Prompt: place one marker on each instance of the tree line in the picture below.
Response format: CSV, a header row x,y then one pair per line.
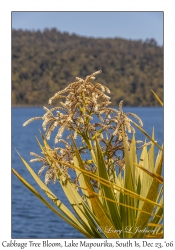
x,y
45,62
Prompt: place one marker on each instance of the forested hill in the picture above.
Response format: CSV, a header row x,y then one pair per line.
x,y
46,62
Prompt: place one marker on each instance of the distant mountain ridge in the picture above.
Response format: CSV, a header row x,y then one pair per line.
x,y
46,62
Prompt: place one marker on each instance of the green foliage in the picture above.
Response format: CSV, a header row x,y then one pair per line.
x,y
45,62
118,205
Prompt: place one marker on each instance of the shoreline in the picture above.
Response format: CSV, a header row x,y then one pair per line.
x,y
31,106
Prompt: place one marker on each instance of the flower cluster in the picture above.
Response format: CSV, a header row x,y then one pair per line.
x,y
85,111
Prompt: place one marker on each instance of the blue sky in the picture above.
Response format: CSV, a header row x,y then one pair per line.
x,y
128,25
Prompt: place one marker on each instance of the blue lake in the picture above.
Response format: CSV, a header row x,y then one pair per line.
x,y
30,217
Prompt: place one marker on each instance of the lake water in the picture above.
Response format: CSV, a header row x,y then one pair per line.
x,y
30,217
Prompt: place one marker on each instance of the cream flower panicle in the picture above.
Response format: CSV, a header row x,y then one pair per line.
x,y
83,100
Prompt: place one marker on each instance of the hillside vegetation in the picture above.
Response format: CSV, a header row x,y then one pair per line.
x,y
46,62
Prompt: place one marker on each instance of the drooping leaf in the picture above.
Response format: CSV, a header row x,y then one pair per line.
x,y
67,218
144,132
158,99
